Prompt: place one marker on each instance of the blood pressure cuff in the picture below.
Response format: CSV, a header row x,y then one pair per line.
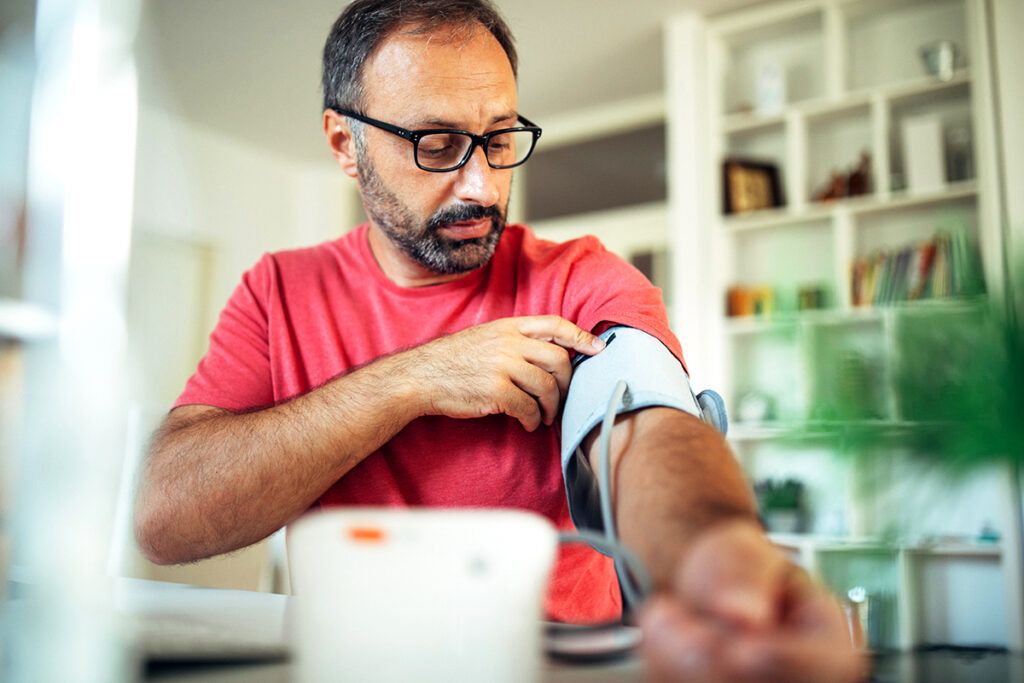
x,y
654,377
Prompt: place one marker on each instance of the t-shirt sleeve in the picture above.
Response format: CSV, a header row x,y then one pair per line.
x,y
603,291
235,372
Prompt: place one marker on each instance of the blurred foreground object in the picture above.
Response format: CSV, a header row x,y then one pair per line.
x,y
78,194
960,384
470,611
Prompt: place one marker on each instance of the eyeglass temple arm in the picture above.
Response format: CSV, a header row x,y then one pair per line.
x,y
383,125
527,121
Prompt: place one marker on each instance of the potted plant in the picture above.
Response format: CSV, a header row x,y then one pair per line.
x,y
782,504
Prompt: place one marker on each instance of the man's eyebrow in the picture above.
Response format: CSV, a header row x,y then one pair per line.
x,y
448,123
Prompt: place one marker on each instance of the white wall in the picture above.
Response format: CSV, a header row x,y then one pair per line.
x,y
200,186
206,208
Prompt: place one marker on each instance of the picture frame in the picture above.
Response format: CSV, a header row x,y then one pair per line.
x,y
750,185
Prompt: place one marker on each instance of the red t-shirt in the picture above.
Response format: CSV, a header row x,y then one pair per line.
x,y
302,317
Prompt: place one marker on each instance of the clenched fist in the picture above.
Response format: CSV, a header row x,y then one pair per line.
x,y
740,611
516,366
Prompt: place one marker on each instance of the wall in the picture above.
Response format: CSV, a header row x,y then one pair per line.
x,y
206,208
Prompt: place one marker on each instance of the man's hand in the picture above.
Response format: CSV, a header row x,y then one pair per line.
x,y
516,366
739,610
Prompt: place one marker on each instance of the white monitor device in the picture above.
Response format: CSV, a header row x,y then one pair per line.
x,y
404,595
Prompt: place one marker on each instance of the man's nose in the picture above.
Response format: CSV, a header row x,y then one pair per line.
x,y
477,182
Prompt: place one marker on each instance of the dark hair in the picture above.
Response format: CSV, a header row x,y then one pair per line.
x,y
364,24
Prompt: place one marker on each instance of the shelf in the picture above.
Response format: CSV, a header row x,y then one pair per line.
x,y
745,122
753,324
759,325
867,204
847,316
950,305
992,550
774,218
767,431
764,431
827,107
582,125
821,543
824,543
965,189
814,429
924,88
22,321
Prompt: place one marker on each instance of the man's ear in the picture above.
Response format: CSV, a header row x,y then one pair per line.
x,y
340,140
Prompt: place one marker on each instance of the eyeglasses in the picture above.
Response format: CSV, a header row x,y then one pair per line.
x,y
439,150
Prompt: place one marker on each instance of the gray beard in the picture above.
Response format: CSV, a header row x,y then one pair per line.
x,y
425,245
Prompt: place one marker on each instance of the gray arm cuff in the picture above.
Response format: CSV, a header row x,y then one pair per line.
x,y
654,377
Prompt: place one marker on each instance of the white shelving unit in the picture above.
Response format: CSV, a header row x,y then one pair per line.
x,y
914,568
853,74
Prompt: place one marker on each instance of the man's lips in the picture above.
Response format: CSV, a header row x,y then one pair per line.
x,y
467,230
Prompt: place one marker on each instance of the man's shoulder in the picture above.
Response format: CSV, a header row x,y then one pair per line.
x,y
326,253
540,249
584,258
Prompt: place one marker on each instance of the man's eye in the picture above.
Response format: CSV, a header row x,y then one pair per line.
x,y
436,150
440,147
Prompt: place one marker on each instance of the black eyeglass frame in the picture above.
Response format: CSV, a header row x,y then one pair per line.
x,y
414,136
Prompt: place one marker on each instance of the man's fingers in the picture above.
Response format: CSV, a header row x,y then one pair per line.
x,y
559,331
799,590
753,614
515,403
541,385
550,358
800,657
678,646
732,573
478,371
812,645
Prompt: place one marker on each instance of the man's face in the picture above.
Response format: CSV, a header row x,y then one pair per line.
x,y
445,222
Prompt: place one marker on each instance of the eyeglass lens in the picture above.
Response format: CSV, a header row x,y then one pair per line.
x,y
443,151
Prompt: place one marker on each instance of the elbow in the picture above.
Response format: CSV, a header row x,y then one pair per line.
x,y
147,536
151,531
161,514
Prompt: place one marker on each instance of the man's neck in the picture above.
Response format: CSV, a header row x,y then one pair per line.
x,y
398,267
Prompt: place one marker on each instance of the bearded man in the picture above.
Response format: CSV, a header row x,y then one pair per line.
x,y
422,359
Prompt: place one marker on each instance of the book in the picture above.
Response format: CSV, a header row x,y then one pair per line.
x,y
945,266
924,269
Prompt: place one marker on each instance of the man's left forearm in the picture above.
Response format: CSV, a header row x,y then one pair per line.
x,y
673,476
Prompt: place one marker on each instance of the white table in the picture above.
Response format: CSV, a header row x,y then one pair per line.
x,y
263,617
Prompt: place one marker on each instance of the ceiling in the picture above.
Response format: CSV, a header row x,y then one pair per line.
x,y
250,68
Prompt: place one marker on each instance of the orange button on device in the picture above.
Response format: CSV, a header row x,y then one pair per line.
x,y
366,534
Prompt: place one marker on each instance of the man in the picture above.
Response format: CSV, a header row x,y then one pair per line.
x,y
422,359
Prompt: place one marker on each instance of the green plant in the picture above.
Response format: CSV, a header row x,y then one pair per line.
x,y
773,495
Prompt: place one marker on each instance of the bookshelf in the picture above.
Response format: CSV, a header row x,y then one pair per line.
x,y
853,79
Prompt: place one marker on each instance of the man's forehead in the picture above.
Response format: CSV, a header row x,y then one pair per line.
x,y
441,77
443,119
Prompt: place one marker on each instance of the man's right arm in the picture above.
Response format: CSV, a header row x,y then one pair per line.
x,y
216,481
